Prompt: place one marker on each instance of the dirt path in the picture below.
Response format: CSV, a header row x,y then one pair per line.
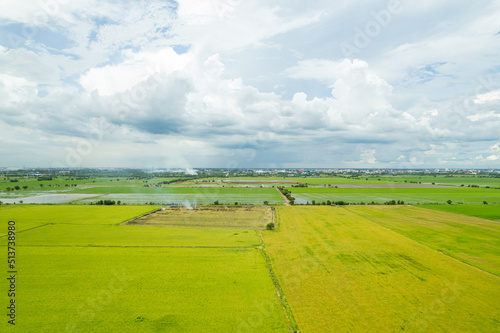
x,y
287,202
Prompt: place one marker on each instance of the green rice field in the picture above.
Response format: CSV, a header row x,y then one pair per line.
x,y
89,268
469,239
84,272
61,183
491,212
341,272
408,195
182,195
380,179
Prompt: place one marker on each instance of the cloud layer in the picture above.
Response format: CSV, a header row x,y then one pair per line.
x,y
227,83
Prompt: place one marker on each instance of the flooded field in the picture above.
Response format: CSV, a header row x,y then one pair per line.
x,y
47,198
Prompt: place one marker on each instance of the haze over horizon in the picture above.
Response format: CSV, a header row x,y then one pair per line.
x,y
240,84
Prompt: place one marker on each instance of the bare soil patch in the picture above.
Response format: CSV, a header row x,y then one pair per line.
x,y
213,217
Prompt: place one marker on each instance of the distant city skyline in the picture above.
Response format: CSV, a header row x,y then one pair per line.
x,y
260,84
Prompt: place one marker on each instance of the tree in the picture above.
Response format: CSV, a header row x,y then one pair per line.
x,y
266,202
25,187
485,203
449,202
236,203
216,202
270,226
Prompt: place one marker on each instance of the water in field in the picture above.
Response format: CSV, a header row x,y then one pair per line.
x,y
301,201
192,198
51,198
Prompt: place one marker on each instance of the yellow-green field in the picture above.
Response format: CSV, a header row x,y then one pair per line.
x,y
84,271
341,272
336,269
469,239
94,215
491,212
246,217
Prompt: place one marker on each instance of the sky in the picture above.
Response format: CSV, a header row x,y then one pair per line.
x,y
250,84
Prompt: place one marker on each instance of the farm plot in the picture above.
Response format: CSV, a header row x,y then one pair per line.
x,y
144,290
307,180
71,214
186,195
408,195
343,273
136,236
246,217
62,183
469,239
85,273
491,212
52,198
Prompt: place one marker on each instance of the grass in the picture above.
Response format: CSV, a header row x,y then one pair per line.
x,y
491,212
86,273
342,272
469,239
209,217
408,195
